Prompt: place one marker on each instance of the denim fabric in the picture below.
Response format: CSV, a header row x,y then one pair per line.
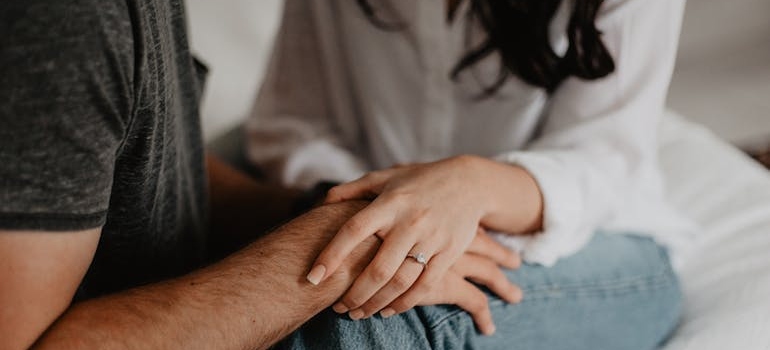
x,y
617,293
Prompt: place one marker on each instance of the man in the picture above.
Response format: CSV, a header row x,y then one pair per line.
x,y
103,201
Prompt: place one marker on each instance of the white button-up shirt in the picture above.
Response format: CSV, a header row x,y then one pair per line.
x,y
343,97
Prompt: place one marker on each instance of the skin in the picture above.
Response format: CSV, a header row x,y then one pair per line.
x,y
251,299
430,208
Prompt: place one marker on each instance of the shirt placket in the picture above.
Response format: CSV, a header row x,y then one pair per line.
x,y
436,125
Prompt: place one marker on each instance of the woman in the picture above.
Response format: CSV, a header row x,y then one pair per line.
x,y
535,119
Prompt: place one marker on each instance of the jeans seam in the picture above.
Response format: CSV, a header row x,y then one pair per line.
x,y
617,289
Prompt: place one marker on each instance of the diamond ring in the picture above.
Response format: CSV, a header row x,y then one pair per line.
x,y
420,258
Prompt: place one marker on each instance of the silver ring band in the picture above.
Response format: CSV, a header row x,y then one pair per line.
x,y
420,258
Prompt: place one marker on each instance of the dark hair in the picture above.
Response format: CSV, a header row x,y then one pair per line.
x,y
519,31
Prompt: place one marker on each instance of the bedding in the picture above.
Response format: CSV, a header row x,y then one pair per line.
x,y
726,275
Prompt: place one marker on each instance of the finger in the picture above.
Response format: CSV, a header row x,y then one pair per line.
x,y
469,298
365,223
484,245
366,187
406,275
433,272
376,275
485,272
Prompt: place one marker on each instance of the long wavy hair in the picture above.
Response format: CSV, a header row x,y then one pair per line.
x,y
519,31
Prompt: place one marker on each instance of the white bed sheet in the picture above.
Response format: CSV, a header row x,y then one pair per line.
x,y
726,277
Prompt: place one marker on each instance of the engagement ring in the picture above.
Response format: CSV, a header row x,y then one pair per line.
x,y
420,258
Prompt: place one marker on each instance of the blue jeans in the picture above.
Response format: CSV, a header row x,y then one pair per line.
x,y
617,293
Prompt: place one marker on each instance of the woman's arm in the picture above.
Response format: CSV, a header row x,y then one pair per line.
x,y
599,140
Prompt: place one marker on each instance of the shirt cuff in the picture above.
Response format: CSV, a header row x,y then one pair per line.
x,y
564,229
320,161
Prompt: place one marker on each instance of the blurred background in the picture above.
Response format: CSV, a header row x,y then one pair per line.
x,y
722,78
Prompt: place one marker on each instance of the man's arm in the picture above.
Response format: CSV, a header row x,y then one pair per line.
x,y
249,300
40,272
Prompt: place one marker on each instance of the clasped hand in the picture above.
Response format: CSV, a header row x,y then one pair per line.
x,y
434,209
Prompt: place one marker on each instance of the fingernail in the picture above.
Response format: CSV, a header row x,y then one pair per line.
x,y
387,312
340,308
316,274
356,314
491,330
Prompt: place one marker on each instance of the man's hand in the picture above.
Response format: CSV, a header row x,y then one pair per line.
x,y
481,264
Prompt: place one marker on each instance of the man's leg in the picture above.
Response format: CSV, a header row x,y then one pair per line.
x,y
617,293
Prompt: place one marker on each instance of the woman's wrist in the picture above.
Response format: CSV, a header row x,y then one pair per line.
x,y
483,176
510,198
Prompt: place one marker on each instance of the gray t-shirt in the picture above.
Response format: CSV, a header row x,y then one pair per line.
x,y
99,126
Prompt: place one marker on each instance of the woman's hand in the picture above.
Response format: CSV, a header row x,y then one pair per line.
x,y
455,289
432,208
480,264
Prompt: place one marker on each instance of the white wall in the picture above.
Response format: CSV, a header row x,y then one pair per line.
x,y
234,38
722,77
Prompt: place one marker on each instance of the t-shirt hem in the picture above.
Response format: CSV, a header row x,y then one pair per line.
x,y
52,221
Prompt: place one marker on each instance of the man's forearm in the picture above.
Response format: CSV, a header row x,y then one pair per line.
x,y
249,300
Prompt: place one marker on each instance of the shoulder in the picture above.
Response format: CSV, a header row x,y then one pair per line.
x,y
65,29
78,51
39,19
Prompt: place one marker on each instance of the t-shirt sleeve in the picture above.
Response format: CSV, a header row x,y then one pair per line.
x,y
65,91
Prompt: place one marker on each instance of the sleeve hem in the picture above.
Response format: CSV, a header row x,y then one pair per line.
x,y
563,233
561,196
52,221
320,161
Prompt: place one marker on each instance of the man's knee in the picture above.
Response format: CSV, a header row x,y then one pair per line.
x,y
329,330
